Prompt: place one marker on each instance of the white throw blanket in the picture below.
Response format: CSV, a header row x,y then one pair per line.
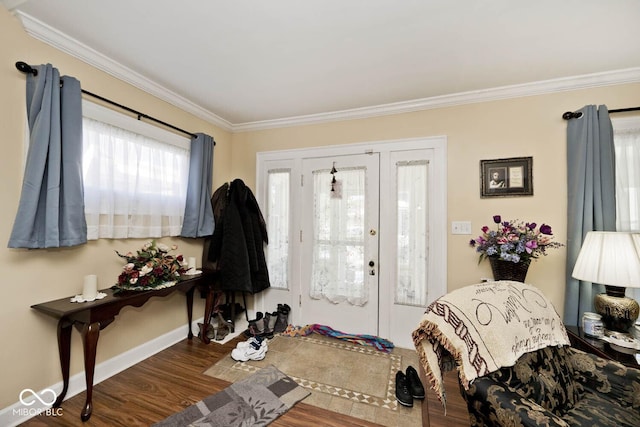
x,y
482,328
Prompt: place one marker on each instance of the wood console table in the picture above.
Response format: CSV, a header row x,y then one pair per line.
x,y
90,317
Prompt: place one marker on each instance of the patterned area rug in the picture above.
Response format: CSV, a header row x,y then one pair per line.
x,y
254,401
343,377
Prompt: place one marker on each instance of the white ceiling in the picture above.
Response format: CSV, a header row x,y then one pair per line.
x,y
241,63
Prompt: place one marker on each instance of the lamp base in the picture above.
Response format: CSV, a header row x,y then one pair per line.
x,y
618,312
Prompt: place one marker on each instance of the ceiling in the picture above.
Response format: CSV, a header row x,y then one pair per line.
x,y
242,63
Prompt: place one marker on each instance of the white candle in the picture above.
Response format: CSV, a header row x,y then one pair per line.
x,y
192,264
90,288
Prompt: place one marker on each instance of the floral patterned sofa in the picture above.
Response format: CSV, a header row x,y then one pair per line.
x,y
556,386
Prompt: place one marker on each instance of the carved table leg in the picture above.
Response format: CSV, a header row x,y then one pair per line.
x,y
64,350
90,335
190,310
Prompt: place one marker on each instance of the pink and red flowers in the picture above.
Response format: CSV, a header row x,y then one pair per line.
x,y
514,241
151,267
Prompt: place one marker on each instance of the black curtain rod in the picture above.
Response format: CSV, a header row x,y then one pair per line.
x,y
26,68
571,115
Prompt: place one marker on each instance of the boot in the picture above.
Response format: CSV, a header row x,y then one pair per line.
x,y
282,320
223,329
210,331
256,326
269,324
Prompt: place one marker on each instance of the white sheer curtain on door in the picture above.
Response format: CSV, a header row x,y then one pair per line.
x,y
412,238
339,232
278,217
135,186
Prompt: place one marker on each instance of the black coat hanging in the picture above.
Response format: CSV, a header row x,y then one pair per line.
x,y
236,248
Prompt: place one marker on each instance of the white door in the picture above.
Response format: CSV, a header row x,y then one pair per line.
x,y
339,243
398,222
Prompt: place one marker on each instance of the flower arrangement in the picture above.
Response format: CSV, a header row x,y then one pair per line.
x,y
152,267
514,241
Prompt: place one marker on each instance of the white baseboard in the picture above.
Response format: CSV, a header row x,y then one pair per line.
x,y
18,412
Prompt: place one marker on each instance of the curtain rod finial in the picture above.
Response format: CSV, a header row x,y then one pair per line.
x,y
571,115
26,68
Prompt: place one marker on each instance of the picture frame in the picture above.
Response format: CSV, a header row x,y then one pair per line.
x,y
510,177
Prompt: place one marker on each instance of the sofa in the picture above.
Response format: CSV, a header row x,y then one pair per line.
x,y
556,386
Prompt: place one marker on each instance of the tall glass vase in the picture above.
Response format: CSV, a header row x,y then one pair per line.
x,y
507,270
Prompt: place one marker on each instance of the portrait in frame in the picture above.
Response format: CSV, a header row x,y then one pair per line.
x,y
506,177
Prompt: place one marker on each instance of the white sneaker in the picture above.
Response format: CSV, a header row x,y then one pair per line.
x,y
252,352
253,341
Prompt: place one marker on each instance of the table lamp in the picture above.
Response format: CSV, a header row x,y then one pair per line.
x,y
612,259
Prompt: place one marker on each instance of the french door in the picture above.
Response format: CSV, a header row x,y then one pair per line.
x,y
339,241
357,234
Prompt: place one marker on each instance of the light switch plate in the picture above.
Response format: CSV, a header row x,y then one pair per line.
x,y
460,227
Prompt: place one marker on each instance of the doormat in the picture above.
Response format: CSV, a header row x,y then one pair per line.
x,y
343,377
255,401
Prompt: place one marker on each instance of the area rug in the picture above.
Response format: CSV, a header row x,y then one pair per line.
x,y
254,401
342,377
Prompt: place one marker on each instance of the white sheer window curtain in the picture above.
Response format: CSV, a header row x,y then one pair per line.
x,y
278,217
339,227
412,239
626,138
135,185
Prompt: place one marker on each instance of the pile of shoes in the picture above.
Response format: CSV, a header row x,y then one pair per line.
x,y
255,348
408,387
217,329
267,324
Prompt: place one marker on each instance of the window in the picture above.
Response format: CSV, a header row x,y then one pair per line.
x,y
278,225
626,138
412,223
135,176
339,247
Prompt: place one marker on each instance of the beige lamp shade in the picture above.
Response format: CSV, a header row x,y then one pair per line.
x,y
609,258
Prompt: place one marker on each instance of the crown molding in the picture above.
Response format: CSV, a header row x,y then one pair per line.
x,y
12,4
62,42
609,78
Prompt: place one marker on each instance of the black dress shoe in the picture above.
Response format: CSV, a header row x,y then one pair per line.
x,y
403,395
415,385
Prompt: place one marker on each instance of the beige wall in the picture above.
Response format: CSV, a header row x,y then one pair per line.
x,y
530,126
29,350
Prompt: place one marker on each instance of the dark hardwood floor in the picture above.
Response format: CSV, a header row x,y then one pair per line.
x,y
457,414
172,379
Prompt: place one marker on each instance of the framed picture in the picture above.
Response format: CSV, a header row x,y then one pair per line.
x,y
506,177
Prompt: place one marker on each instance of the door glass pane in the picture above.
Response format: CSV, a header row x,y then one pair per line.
x,y
412,238
278,227
338,266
